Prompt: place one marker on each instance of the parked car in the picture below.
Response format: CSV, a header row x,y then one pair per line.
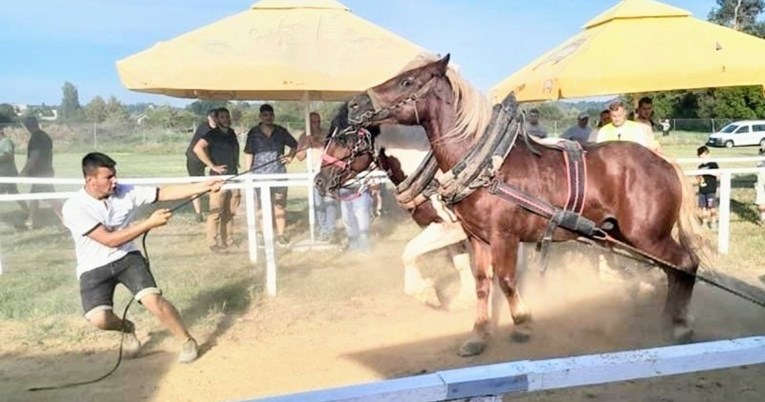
x,y
740,133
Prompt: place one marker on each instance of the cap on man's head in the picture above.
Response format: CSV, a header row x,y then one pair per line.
x,y
583,116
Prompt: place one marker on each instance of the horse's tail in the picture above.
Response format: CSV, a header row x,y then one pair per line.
x,y
688,229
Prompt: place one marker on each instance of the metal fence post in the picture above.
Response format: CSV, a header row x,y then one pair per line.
x,y
723,227
252,220
268,239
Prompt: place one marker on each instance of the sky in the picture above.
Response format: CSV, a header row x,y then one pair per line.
x,y
47,42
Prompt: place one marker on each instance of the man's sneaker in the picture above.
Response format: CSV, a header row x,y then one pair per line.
x,y
189,351
130,343
282,241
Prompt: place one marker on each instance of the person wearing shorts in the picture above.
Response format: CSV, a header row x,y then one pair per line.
x,y
194,166
100,218
707,201
264,150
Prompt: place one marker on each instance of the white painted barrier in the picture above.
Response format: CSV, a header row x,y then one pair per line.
x,y
493,381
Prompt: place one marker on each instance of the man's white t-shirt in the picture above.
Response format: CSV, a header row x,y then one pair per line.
x,y
83,213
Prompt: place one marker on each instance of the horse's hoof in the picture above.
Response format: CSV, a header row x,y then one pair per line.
x,y
472,347
521,333
461,302
682,334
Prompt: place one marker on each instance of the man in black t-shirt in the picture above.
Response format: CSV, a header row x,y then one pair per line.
x,y
218,149
194,166
39,164
707,201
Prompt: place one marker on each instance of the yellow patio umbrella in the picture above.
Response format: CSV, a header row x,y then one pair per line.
x,y
276,50
640,46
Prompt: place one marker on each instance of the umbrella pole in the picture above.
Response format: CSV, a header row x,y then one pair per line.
x,y
309,159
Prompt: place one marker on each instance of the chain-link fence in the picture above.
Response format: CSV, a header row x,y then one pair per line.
x,y
134,136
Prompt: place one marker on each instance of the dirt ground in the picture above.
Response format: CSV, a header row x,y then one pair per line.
x,y
343,319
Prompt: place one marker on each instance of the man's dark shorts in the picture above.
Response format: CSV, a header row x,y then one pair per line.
x,y
97,286
43,188
708,201
9,188
195,167
278,195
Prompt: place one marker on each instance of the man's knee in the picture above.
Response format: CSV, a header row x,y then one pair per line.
x,y
101,318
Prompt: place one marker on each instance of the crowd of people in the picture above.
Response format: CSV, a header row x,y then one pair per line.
x,y
268,149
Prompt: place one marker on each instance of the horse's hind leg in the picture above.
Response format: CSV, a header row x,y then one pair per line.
x,y
476,344
679,283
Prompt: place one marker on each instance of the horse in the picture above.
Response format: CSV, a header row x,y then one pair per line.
x,y
439,228
635,196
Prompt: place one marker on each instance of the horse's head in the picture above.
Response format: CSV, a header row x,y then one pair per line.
x,y
395,100
349,151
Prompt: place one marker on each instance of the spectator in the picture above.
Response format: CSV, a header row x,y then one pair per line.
x,y
218,149
325,207
645,112
707,197
356,209
194,166
39,164
264,149
8,167
99,217
621,129
665,127
533,127
605,118
581,131
759,188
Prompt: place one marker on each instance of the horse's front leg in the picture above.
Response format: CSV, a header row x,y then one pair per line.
x,y
476,344
504,254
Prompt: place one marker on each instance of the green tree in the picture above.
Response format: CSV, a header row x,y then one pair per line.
x,y
95,110
116,111
200,107
70,103
741,15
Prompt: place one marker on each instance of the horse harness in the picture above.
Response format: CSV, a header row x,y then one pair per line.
x,y
478,169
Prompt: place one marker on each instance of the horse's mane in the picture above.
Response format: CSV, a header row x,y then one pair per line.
x,y
472,109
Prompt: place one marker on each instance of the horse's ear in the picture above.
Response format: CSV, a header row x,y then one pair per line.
x,y
443,64
382,152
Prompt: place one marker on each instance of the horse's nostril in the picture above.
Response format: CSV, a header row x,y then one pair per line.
x,y
353,105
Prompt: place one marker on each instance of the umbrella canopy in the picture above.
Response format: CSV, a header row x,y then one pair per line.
x,y
640,46
276,50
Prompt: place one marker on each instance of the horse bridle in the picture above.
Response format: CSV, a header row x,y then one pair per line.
x,y
363,143
379,112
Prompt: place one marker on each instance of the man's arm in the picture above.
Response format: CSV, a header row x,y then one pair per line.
x,y
291,142
302,142
200,150
183,191
119,237
32,161
6,152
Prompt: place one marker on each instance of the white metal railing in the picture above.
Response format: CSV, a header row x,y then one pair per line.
x,y
490,382
248,182
266,182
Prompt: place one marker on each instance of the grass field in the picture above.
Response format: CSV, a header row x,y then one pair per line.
x,y
39,299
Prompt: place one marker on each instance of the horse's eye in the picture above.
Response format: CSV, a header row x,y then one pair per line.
x,y
406,83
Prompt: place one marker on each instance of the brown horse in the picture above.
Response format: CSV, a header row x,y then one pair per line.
x,y
644,197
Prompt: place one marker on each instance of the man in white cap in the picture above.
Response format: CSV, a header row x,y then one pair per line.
x,y
579,132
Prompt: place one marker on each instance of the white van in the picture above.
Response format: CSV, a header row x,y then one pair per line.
x,y
740,133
